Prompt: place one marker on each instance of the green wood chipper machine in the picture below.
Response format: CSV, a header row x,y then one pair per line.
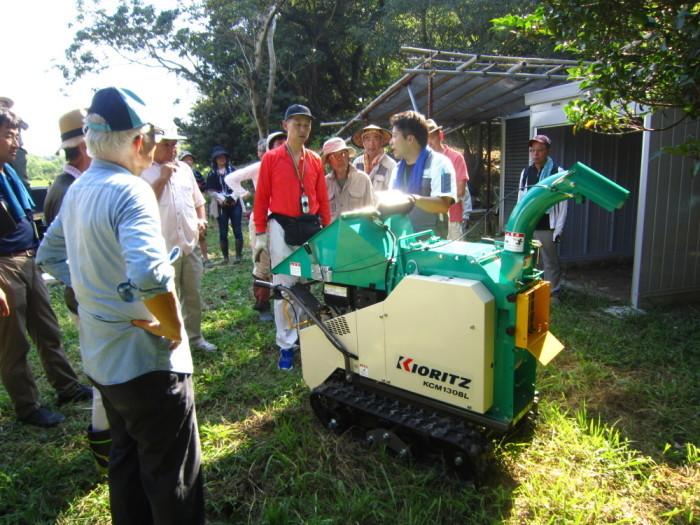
x,y
425,344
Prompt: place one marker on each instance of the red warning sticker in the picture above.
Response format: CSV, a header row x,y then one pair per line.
x,y
514,242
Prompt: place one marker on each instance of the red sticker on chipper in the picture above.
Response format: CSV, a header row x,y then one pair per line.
x,y
514,242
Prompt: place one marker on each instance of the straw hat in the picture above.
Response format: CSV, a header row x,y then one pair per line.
x,y
71,128
432,126
357,136
334,145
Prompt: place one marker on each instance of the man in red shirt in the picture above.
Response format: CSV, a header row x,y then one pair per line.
x,y
292,191
435,140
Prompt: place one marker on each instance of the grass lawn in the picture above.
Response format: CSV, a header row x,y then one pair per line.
x,y
616,440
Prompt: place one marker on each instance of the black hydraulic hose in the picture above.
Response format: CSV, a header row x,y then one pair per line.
x,y
330,336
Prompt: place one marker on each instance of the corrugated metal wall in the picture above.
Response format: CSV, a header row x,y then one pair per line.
x,y
516,157
670,257
591,233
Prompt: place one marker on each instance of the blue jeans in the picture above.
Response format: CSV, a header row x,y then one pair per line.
x,y
232,214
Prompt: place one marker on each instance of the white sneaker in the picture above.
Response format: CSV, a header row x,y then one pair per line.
x,y
205,346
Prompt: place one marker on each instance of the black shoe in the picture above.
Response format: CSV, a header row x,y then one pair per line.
x,y
82,393
43,417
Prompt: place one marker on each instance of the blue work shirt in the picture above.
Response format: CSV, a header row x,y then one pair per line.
x,y
108,234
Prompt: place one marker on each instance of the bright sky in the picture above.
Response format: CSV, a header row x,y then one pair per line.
x,y
36,35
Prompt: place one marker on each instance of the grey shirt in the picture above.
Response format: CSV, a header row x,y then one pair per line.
x,y
54,197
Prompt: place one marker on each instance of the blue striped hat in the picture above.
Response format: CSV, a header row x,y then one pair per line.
x,y
120,107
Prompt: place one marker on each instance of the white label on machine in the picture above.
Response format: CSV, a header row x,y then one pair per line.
x,y
295,269
338,291
514,242
363,370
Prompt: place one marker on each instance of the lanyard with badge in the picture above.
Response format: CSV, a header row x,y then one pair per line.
x,y
304,200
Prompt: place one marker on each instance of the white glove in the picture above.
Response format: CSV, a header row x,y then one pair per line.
x,y
260,246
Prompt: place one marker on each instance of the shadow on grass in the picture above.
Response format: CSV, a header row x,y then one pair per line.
x,y
287,469
268,460
637,373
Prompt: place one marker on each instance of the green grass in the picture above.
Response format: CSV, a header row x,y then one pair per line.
x,y
616,439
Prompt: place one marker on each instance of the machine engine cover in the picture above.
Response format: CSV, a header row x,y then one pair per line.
x,y
432,336
439,334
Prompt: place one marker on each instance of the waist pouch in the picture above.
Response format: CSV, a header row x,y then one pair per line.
x,y
8,224
298,230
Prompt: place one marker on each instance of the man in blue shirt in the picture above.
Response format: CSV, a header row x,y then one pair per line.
x,y
28,298
132,338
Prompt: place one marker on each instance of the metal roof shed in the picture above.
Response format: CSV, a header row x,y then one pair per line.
x,y
458,89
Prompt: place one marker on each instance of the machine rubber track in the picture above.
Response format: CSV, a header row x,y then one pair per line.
x,y
401,427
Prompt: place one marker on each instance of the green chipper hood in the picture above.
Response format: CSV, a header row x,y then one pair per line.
x,y
578,182
355,249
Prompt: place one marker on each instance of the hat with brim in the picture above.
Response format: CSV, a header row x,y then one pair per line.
x,y
357,136
274,136
121,109
542,139
171,134
71,128
6,102
218,151
185,154
432,126
335,145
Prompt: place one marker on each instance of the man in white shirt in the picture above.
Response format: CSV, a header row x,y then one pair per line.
x,y
261,264
183,220
426,175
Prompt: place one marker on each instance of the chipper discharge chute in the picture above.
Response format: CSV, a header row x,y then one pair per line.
x,y
424,343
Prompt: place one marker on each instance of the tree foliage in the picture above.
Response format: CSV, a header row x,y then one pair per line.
x,y
251,58
637,56
43,170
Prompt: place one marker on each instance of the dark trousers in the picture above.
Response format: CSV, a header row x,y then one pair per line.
x,y
30,314
155,463
232,214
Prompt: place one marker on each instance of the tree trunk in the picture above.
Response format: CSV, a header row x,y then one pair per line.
x,y
262,106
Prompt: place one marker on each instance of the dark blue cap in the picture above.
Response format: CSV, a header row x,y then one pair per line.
x,y
121,108
297,109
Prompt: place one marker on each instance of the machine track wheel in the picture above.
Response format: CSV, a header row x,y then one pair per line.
x,y
334,416
403,429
